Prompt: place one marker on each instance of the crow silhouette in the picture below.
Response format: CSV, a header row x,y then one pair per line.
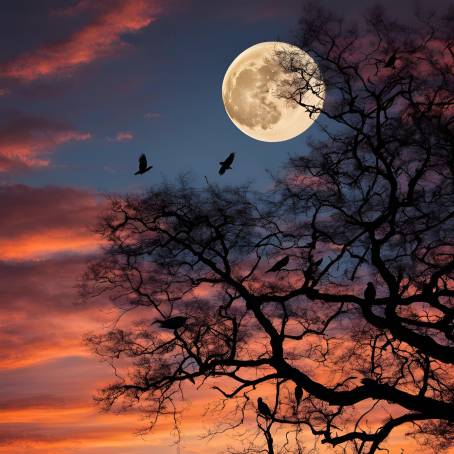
x,y
370,292
263,408
298,394
279,264
173,323
225,165
143,165
391,61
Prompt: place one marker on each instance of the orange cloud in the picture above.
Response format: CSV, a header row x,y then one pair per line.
x,y
26,141
47,243
47,376
97,39
39,222
48,381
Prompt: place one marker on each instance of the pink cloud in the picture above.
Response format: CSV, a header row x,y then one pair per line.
x,y
45,237
27,141
40,342
99,38
122,136
38,222
300,180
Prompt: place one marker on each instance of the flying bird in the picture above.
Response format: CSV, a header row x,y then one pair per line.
x,y
143,165
298,394
173,323
391,61
279,264
370,292
263,408
225,165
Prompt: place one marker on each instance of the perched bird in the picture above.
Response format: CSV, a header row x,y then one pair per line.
x,y
143,165
298,394
279,264
225,165
263,408
391,61
370,292
173,323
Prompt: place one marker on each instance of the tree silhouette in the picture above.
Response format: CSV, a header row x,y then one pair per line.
x,y
372,200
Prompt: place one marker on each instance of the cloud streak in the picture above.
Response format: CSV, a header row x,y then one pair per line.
x,y
99,38
122,136
26,141
47,376
39,222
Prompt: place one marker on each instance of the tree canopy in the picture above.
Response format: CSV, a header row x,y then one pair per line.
x,y
329,295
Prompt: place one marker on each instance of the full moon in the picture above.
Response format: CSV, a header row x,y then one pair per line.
x,y
251,89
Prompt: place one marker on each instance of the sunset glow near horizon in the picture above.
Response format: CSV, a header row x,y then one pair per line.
x,y
85,88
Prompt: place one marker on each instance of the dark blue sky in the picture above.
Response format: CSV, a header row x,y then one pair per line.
x,y
164,87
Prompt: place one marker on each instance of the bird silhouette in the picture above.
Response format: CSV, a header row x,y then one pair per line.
x,y
143,165
225,165
370,292
298,394
173,323
263,408
279,264
391,61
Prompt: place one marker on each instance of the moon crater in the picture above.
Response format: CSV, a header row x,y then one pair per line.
x,y
250,94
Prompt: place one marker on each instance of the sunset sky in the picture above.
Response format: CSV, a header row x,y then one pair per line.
x,y
86,86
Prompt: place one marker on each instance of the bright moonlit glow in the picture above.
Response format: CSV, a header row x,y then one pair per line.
x,y
250,94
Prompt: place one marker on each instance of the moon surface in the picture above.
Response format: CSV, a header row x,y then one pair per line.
x,y
250,92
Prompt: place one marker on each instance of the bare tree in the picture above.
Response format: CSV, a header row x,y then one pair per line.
x,y
371,201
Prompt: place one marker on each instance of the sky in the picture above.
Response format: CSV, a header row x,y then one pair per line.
x,y
86,86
